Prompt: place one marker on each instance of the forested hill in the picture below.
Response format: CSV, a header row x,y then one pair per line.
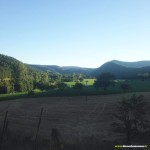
x,y
121,71
63,70
17,76
14,72
137,64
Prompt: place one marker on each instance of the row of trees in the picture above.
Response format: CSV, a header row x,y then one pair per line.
x,y
107,79
56,77
16,76
36,80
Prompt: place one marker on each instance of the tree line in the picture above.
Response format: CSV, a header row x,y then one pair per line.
x,y
18,77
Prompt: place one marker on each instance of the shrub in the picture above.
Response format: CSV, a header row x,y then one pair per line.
x,y
78,86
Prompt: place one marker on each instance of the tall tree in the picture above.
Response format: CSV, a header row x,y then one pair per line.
x,y
131,116
78,86
104,80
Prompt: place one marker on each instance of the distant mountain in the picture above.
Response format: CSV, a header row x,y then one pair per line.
x,y
45,68
119,69
12,68
138,64
63,70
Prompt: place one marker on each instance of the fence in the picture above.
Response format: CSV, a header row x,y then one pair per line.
x,y
35,143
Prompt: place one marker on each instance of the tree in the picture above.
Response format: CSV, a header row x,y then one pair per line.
x,y
78,86
125,86
61,86
104,80
81,77
42,86
5,87
131,116
18,76
143,76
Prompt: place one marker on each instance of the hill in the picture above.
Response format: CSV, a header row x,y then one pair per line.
x,y
63,70
14,72
121,71
11,68
137,64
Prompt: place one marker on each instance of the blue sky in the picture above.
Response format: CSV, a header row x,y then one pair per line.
x,y
84,33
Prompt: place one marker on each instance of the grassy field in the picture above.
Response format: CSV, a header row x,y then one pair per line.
x,y
136,86
89,82
83,117
74,117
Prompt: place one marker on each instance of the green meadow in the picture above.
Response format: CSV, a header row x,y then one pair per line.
x,y
88,82
88,89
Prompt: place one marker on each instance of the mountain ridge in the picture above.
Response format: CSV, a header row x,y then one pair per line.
x,y
121,69
135,64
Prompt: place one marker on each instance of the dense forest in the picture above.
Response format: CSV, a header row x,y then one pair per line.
x,y
120,69
16,76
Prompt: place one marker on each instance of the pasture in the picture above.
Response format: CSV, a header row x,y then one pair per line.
x,y
74,117
136,86
90,82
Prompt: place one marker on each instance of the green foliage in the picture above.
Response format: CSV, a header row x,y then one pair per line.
x,y
42,86
143,76
54,76
131,116
66,78
78,86
14,72
89,82
104,80
125,86
31,92
61,86
5,87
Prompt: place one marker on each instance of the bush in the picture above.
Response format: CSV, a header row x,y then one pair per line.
x,y
78,86
125,86
61,86
31,92
3,89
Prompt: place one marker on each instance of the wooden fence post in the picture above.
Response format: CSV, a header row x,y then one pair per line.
x,y
3,129
38,127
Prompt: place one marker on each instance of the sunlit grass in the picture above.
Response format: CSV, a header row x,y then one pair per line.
x,y
136,86
90,82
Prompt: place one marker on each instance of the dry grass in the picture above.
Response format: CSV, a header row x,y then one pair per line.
x,y
72,116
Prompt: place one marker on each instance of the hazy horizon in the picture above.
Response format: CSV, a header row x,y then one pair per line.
x,y
87,66
80,33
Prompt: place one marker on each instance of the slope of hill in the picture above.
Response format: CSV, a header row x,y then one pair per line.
x,y
63,70
20,72
46,68
121,71
13,71
138,64
10,67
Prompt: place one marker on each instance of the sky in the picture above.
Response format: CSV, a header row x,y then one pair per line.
x,y
85,33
